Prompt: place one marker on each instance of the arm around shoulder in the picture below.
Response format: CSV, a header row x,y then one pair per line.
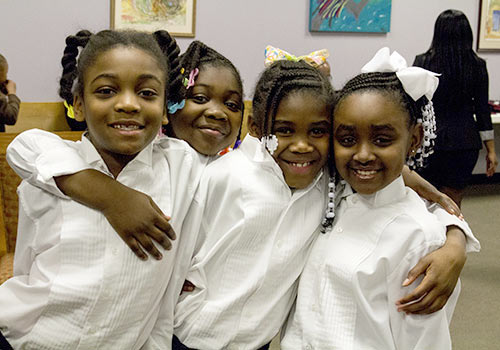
x,y
38,156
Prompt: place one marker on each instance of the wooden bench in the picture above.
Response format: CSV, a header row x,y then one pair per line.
x,y
42,115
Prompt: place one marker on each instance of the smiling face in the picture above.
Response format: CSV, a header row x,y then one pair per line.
x,y
123,103
372,140
302,126
212,116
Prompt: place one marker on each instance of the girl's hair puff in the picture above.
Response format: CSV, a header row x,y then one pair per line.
x,y
280,80
388,84
83,49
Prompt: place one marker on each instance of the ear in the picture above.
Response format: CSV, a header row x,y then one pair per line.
x,y
164,119
253,128
416,137
78,108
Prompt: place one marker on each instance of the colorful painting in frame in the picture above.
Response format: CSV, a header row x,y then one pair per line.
x,y
175,16
489,26
365,16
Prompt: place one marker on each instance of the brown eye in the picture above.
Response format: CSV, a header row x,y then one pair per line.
x,y
285,131
199,98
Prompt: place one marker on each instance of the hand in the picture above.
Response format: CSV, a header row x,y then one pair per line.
x,y
491,163
442,269
448,204
133,214
187,287
10,87
426,190
138,221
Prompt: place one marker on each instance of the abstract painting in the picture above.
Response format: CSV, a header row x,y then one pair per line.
x,y
368,16
175,16
489,26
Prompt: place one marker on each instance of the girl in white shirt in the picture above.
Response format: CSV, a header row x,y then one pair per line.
x,y
260,206
76,285
383,118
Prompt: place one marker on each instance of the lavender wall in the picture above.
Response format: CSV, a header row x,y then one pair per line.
x,y
32,36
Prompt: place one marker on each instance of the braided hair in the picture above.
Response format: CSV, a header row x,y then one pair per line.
x,y
280,80
419,111
198,56
385,83
75,62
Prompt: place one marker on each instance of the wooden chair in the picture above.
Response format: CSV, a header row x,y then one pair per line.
x,y
9,181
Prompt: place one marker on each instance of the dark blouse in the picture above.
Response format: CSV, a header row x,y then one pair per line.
x,y
456,127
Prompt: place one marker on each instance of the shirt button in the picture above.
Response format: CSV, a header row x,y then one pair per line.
x,y
278,244
308,347
92,330
355,200
114,251
339,229
314,308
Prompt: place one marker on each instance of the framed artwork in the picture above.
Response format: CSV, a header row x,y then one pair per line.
x,y
175,16
488,38
365,16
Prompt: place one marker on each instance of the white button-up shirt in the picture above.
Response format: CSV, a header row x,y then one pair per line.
x,y
76,284
256,238
353,277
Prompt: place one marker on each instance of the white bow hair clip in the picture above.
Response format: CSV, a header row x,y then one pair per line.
x,y
416,81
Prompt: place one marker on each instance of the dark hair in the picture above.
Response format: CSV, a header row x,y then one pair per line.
x,y
385,83
280,80
159,45
198,55
451,54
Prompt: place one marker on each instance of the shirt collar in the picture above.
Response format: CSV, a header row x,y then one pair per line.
x,y
90,154
389,194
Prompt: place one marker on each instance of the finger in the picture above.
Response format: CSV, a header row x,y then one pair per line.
x,y
135,247
451,207
163,222
422,289
188,286
416,271
491,170
148,245
163,225
429,304
159,236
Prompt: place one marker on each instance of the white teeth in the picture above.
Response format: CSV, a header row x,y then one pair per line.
x,y
365,172
126,127
301,165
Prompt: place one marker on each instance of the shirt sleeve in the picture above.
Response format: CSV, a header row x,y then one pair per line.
x,y
38,156
417,331
9,108
481,107
472,244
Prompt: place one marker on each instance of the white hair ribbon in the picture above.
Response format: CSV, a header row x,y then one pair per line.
x,y
416,81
